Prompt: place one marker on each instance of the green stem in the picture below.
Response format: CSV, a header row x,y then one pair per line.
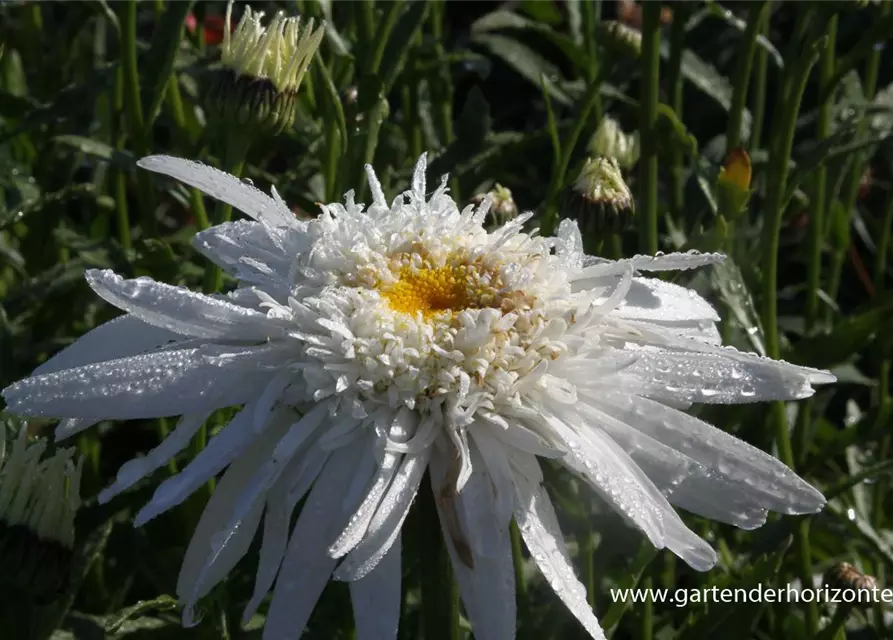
x,y
841,613
675,83
647,205
756,16
440,595
816,232
559,173
133,110
758,103
647,628
591,13
118,176
383,34
797,72
442,89
518,562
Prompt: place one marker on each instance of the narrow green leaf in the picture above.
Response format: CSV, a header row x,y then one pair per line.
x,y
158,68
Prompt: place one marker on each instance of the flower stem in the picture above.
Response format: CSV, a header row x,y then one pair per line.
x,y
756,16
647,205
797,70
440,594
675,83
591,14
760,66
133,110
816,231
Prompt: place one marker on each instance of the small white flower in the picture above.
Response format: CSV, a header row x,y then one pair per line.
x,y
371,344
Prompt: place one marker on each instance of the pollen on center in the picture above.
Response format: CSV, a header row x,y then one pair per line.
x,y
431,290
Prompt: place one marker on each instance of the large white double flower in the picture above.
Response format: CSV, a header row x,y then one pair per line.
x,y
370,345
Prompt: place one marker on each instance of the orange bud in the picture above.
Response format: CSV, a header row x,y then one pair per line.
x,y
737,169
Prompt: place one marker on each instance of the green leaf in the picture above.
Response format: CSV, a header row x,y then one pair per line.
x,y
121,159
400,42
849,336
525,61
731,621
159,66
502,19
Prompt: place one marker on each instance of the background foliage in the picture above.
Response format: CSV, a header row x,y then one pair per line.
x,y
496,92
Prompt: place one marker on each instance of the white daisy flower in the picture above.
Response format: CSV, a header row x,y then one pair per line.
x,y
372,344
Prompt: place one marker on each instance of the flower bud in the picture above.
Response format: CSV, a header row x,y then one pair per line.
x,y
38,503
845,576
611,141
261,71
502,205
600,200
620,39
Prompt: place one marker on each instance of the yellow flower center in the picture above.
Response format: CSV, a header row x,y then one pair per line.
x,y
430,290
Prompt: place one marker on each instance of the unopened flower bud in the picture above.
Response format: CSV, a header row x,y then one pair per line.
x,y
38,503
600,200
502,205
611,141
621,39
261,71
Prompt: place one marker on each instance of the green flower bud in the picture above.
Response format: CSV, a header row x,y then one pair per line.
x,y
599,199
611,141
261,70
38,503
502,205
619,38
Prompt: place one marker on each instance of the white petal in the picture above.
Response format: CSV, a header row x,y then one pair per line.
x,y
223,186
164,383
376,598
663,302
136,469
124,336
542,535
598,268
725,377
272,252
498,468
385,526
215,549
181,310
307,566
620,483
237,435
765,481
281,502
488,589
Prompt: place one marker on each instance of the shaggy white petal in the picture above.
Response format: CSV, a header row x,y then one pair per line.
x,y
281,502
541,533
762,478
488,588
182,311
376,598
216,546
136,469
223,186
165,383
124,336
307,567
